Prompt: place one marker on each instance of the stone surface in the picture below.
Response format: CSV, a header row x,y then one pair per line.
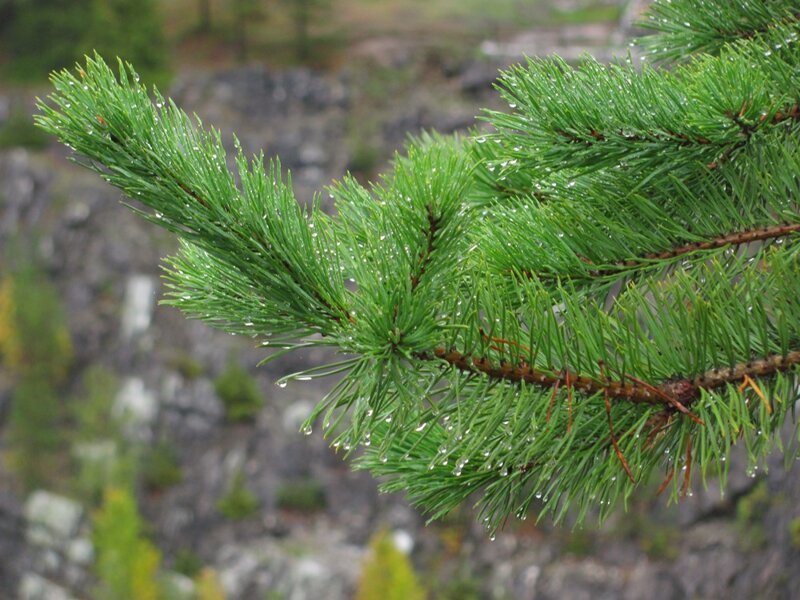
x,y
80,552
52,519
136,406
34,587
137,310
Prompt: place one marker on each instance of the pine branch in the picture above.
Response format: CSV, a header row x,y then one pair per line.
x,y
529,314
678,393
425,255
686,27
738,238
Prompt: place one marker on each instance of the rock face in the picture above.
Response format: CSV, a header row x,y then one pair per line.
x,y
58,549
137,310
52,519
137,407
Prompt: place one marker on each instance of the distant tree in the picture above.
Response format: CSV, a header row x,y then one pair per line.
x,y
131,30
303,14
239,392
204,15
127,563
42,35
245,14
387,573
238,502
35,444
33,331
208,585
36,351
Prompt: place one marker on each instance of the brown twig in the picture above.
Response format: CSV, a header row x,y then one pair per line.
x,y
668,398
665,483
676,394
568,383
425,254
617,450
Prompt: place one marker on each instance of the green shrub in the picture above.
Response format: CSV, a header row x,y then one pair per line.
x,y
750,510
101,456
130,29
160,467
794,532
209,586
90,411
239,393
239,502
33,330
97,471
127,563
579,543
44,35
19,131
305,495
460,589
365,158
187,365
660,542
602,13
387,573
187,563
35,441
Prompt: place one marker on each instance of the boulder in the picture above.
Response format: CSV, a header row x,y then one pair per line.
x,y
52,519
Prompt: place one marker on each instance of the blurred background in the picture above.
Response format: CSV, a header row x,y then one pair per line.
x,y
143,455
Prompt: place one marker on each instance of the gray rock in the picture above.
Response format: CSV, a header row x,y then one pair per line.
x,y
191,408
21,193
101,453
136,405
35,587
312,155
80,551
403,541
77,214
295,414
315,564
235,574
180,587
137,310
52,519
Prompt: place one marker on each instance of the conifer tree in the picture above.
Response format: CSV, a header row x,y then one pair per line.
x,y
601,289
41,35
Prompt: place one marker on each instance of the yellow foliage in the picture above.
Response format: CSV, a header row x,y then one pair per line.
x,y
33,332
209,586
387,573
144,569
10,347
127,563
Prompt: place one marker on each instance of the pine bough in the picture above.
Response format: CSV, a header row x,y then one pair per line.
x,y
601,291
